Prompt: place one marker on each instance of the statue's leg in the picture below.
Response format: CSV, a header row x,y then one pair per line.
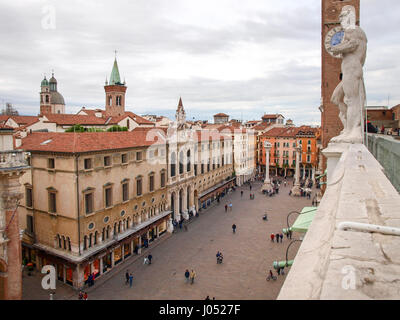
x,y
351,87
338,99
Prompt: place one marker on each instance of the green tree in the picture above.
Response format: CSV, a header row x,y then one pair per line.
x,y
117,128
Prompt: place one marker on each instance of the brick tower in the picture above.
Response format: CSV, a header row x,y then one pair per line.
x,y
115,93
331,70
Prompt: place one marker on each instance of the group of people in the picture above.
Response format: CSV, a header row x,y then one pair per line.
x,y
147,259
220,257
190,275
82,295
129,278
230,206
90,279
278,237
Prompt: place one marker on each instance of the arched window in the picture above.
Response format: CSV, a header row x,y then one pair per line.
x,y
69,243
64,243
188,161
59,241
109,100
90,240
173,164
96,234
85,238
181,160
47,98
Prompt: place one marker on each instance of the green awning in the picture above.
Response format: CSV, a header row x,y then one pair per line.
x,y
304,219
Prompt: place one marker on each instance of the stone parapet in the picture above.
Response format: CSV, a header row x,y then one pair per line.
x,y
337,264
386,149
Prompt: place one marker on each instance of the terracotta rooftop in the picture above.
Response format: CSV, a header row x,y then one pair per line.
x,y
69,142
271,116
221,115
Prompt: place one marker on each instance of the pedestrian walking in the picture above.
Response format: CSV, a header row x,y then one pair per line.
x,y
192,276
145,260
272,237
187,275
130,279
279,271
277,237
127,276
290,234
241,193
85,296
80,296
234,228
207,298
250,187
150,257
226,207
230,206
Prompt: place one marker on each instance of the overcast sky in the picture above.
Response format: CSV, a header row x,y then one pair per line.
x,y
244,58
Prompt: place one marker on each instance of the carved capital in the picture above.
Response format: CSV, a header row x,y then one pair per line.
x,y
10,199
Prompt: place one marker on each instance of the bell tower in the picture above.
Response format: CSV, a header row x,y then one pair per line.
x,y
331,68
115,93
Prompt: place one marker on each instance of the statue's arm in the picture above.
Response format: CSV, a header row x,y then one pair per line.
x,y
345,47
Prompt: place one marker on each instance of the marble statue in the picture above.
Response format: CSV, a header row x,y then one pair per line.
x,y
349,95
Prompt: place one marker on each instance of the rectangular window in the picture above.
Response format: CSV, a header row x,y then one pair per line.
x,y
108,197
51,163
138,156
139,187
88,163
151,183
52,202
89,203
107,161
125,192
28,197
124,158
195,169
28,160
202,168
162,179
29,223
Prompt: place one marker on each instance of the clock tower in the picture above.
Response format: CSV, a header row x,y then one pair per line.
x,y
331,66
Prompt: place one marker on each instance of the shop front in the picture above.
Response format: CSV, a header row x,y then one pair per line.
x,y
107,262
127,250
117,255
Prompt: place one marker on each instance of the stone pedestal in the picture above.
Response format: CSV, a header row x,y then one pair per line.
x,y
333,153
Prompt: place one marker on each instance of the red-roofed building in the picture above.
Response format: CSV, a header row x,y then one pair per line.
x,y
221,118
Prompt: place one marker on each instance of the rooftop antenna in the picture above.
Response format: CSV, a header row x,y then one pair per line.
x,y
115,51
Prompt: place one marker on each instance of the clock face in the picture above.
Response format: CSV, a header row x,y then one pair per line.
x,y
333,38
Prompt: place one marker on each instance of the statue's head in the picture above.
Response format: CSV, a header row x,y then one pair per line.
x,y
348,17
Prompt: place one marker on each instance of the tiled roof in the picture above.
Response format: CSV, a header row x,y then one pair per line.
x,y
221,115
69,142
20,120
262,126
92,119
271,116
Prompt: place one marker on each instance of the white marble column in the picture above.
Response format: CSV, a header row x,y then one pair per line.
x,y
267,182
296,187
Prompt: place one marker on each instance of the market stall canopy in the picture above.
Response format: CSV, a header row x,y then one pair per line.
x,y
304,219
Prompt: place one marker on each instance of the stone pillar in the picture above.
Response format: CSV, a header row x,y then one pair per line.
x,y
185,213
132,246
10,195
296,186
78,279
170,226
158,231
140,245
64,273
267,182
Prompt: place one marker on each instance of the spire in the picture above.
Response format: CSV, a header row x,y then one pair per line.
x,y
115,78
180,102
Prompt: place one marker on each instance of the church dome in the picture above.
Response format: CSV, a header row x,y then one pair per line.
x,y
56,98
44,82
53,80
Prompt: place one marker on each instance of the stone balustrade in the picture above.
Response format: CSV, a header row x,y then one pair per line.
x,y
13,159
347,264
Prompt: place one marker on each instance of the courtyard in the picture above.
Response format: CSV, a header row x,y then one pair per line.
x,y
248,255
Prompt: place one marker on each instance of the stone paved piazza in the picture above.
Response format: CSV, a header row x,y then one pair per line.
x,y
248,255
